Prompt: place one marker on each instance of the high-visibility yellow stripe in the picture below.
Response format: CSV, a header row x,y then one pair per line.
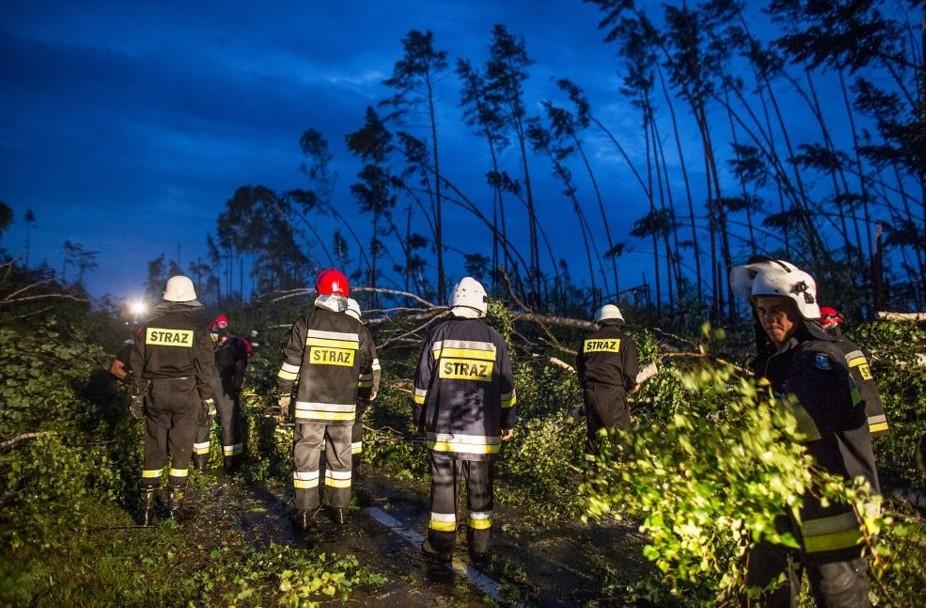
x,y
316,415
480,524
356,447
468,353
509,399
444,524
365,384
834,541
337,483
304,484
151,473
332,343
179,472
877,428
462,448
857,361
287,375
232,450
419,399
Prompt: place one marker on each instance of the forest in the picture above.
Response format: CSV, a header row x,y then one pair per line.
x,y
794,130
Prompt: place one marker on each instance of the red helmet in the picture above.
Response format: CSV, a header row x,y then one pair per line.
x,y
332,282
830,317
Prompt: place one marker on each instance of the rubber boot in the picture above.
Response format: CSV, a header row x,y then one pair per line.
x,y
305,520
429,551
146,516
175,504
199,461
233,464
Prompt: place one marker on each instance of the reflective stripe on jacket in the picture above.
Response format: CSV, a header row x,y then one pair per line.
x,y
811,373
327,351
464,391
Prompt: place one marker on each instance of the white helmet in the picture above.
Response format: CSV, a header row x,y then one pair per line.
x,y
470,293
179,289
608,311
353,308
777,278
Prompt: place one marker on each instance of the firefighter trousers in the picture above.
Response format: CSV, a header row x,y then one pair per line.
x,y
356,435
228,408
605,407
172,407
442,525
309,436
836,584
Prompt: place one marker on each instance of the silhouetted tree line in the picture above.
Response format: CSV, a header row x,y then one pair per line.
x,y
809,118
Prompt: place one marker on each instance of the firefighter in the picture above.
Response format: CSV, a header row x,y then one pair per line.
x,y
173,355
367,389
860,368
809,372
231,360
607,367
328,351
465,405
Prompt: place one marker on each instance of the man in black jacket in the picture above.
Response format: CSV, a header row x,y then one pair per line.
x,y
465,404
809,372
607,366
173,355
327,351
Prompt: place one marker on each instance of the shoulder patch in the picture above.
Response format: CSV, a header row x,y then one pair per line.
x,y
822,361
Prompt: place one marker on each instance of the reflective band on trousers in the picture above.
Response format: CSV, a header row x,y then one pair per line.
x,y
151,473
420,395
356,447
463,444
877,424
305,479
201,448
831,533
337,479
443,522
179,472
232,450
480,520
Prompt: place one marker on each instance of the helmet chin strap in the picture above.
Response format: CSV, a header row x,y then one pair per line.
x,y
465,312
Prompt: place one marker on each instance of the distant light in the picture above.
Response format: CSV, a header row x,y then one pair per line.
x,y
138,308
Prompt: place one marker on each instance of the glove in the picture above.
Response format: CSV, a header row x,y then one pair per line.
x,y
284,401
206,411
137,407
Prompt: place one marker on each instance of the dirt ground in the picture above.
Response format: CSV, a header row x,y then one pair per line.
x,y
554,566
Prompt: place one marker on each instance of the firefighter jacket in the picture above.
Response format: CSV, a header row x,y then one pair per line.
x,y
328,352
859,367
173,345
811,373
464,390
368,385
608,357
231,359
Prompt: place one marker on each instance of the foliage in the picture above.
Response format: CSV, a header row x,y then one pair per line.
x,y
901,380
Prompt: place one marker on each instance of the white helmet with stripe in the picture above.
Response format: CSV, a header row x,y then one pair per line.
x,y
777,278
608,311
470,293
353,308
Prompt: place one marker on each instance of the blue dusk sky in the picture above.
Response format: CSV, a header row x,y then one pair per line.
x,y
125,127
